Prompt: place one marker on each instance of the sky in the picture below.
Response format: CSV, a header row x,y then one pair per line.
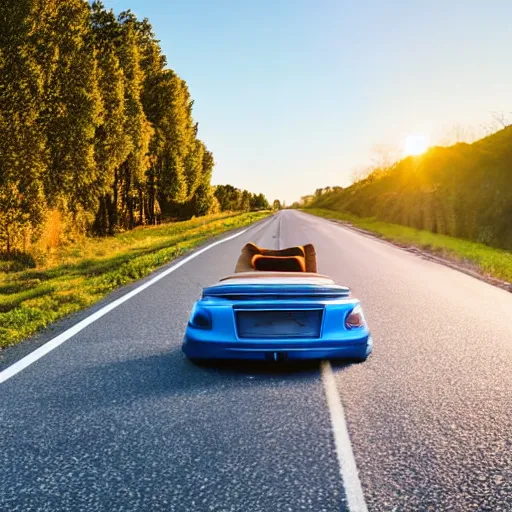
x,y
294,95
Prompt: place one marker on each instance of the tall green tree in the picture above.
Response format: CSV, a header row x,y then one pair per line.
x,y
245,201
23,155
178,133
137,128
72,106
112,144
203,200
259,202
228,197
277,204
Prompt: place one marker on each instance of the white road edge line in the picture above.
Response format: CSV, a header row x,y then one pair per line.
x,y
346,460
66,335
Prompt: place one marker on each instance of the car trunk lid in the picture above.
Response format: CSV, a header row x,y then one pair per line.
x,y
278,291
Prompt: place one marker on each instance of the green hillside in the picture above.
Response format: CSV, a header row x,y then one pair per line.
x,y
463,191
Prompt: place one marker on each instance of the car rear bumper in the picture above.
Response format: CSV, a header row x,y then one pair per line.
x,y
277,350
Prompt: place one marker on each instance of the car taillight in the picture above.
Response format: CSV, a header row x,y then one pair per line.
x,y
200,318
355,318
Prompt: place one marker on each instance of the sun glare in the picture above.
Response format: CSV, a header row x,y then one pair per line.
x,y
415,144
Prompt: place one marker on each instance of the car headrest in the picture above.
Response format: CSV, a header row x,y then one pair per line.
x,y
278,263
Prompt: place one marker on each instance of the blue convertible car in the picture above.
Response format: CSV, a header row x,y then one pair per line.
x,y
277,307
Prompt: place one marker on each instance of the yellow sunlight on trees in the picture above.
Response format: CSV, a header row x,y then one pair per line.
x,y
416,144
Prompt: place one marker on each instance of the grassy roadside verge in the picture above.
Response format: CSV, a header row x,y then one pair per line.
x,y
79,275
495,263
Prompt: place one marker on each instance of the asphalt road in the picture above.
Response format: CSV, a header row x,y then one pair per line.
x,y
116,419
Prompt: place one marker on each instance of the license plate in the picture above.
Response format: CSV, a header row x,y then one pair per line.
x,y
303,323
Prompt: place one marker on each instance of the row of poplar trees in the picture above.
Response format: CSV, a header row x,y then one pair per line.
x,y
93,122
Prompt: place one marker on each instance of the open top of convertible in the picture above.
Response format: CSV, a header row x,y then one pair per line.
x,y
301,258
273,273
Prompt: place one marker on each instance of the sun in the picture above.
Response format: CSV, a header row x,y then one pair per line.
x,y
416,144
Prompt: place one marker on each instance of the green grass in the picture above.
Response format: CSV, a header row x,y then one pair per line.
x,y
77,276
487,260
